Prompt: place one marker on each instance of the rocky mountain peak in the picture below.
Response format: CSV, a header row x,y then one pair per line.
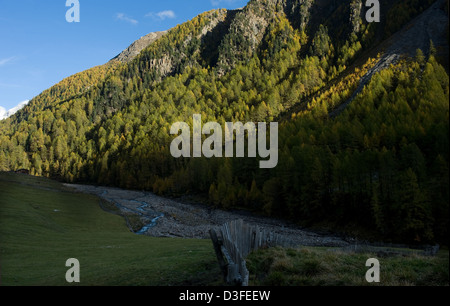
x,y
135,48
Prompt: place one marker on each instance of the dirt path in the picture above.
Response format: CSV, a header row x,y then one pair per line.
x,y
169,218
431,25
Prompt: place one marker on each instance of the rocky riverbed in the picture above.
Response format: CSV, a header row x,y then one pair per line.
x,y
172,218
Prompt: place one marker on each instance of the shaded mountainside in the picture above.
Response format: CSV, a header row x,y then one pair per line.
x,y
427,31
380,166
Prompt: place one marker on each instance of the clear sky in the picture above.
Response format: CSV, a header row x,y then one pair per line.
x,y
39,48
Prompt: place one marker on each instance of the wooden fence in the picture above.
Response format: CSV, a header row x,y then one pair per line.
x,y
234,241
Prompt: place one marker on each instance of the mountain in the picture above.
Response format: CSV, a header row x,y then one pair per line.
x,y
5,114
362,111
135,48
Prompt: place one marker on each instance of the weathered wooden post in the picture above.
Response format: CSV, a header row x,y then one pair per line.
x,y
234,242
218,249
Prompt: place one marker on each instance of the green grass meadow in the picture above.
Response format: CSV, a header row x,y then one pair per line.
x,y
43,223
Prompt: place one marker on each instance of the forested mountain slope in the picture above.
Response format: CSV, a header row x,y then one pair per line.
x,y
381,164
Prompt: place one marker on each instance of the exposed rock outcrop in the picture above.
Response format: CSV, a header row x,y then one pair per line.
x,y
135,48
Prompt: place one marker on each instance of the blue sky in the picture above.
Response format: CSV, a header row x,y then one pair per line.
x,y
39,48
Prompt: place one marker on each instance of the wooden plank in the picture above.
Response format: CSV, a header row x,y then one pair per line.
x,y
219,254
238,241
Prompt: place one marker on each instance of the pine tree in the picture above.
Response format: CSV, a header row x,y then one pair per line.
x,y
414,218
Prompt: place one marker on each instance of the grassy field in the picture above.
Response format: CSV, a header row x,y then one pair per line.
x,y
322,267
42,224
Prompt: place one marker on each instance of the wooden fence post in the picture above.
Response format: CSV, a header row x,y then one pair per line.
x,y
234,242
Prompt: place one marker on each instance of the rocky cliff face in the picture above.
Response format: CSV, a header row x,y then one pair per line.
x,y
135,48
355,15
